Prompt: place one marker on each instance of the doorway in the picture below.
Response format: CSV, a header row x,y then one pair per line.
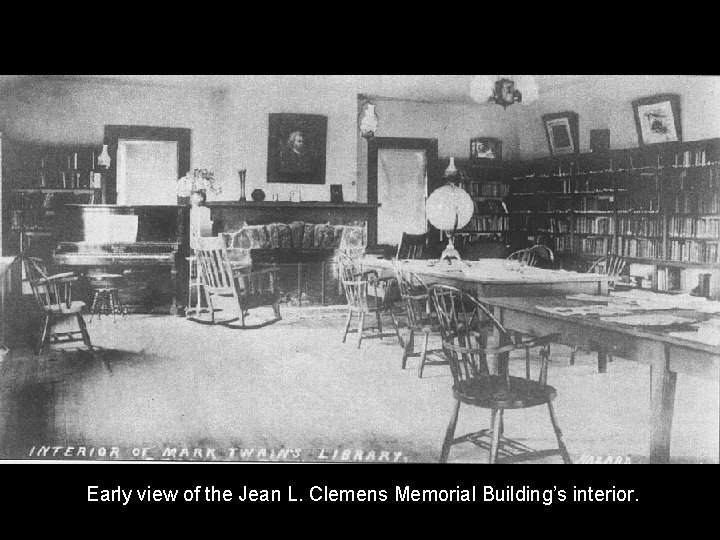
x,y
146,163
401,174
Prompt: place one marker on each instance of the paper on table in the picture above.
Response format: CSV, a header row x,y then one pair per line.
x,y
653,301
708,332
585,310
649,319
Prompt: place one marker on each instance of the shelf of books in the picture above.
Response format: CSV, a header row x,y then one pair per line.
x,y
657,206
487,186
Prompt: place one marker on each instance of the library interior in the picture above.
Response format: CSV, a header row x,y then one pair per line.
x,y
360,268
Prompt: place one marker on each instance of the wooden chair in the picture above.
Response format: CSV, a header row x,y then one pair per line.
x,y
611,266
421,317
412,246
464,326
533,255
365,293
523,256
53,294
244,288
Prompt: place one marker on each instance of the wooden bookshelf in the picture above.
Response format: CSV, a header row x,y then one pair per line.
x,y
657,206
37,181
486,183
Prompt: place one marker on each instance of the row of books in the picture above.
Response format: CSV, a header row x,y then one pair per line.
x,y
488,224
707,178
595,225
540,204
520,222
562,244
69,160
695,204
596,183
70,179
694,227
639,227
600,203
541,185
691,251
490,207
485,189
629,202
641,248
668,279
598,245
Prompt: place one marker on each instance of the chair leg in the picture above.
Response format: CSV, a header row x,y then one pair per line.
x,y
397,330
85,334
94,305
558,435
602,362
527,363
450,433
361,327
409,348
497,415
45,336
242,316
347,324
423,354
379,321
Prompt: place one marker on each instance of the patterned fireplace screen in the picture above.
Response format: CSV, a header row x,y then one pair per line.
x,y
305,253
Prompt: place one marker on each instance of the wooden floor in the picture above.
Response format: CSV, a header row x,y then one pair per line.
x,y
294,391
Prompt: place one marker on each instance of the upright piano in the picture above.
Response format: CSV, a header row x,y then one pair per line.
x,y
111,236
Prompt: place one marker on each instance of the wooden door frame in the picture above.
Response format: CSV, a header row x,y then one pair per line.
x,y
430,146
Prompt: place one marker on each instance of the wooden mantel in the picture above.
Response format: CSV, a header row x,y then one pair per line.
x,y
289,204
228,215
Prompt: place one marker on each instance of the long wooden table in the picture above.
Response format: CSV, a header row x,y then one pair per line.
x,y
665,352
498,277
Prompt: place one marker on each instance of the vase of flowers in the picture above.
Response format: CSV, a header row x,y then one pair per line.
x,y
195,186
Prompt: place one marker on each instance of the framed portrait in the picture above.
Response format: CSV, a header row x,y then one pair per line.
x,y
296,148
657,119
563,132
482,148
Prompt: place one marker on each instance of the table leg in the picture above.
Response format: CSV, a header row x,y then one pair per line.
x,y
173,283
663,402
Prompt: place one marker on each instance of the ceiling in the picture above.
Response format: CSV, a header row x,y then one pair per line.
x,y
430,88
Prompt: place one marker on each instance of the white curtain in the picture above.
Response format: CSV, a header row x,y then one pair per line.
x,y
402,190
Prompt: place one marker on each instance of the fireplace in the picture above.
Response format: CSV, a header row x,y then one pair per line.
x,y
301,239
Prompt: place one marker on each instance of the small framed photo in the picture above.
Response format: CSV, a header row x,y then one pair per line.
x,y
336,194
657,119
482,148
563,132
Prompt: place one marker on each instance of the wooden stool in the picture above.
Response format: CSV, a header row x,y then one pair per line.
x,y
107,297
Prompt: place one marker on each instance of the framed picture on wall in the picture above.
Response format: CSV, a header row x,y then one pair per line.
x,y
296,148
485,148
657,119
563,132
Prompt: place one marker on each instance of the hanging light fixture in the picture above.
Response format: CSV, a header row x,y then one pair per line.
x,y
368,120
504,89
